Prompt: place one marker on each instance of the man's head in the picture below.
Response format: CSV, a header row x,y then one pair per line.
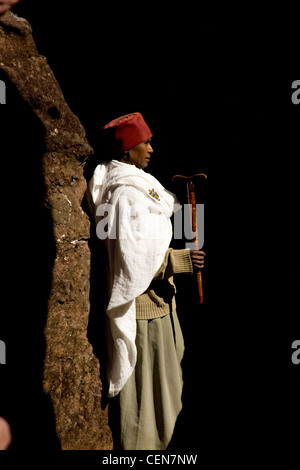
x,y
130,137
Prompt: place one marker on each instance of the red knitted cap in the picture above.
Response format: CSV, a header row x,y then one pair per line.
x,y
128,131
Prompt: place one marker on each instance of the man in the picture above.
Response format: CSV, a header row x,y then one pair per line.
x,y
5,434
145,346
6,5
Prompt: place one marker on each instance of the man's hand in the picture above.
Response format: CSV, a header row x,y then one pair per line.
x,y
5,434
6,5
198,258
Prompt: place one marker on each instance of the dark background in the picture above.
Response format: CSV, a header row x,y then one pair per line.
x,y
218,102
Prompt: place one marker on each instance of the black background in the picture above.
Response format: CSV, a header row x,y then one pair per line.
x,y
217,101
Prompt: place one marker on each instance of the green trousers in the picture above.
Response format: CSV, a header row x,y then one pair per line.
x,y
150,401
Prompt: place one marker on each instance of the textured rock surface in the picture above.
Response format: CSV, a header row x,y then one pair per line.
x,y
71,371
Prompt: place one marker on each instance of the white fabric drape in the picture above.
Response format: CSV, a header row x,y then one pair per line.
x,y
132,211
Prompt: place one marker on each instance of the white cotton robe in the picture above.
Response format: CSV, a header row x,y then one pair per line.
x,y
132,211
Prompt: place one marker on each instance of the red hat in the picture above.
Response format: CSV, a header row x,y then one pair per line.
x,y
128,131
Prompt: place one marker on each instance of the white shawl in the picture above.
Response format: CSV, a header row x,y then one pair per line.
x,y
138,231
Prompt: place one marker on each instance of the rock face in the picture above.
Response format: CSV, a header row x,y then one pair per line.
x,y
71,370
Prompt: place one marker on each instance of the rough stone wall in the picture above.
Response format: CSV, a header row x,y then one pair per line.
x,y
71,371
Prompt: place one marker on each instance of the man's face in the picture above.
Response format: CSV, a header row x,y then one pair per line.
x,y
140,154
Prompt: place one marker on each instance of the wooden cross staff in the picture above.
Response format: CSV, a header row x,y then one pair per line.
x,y
189,180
